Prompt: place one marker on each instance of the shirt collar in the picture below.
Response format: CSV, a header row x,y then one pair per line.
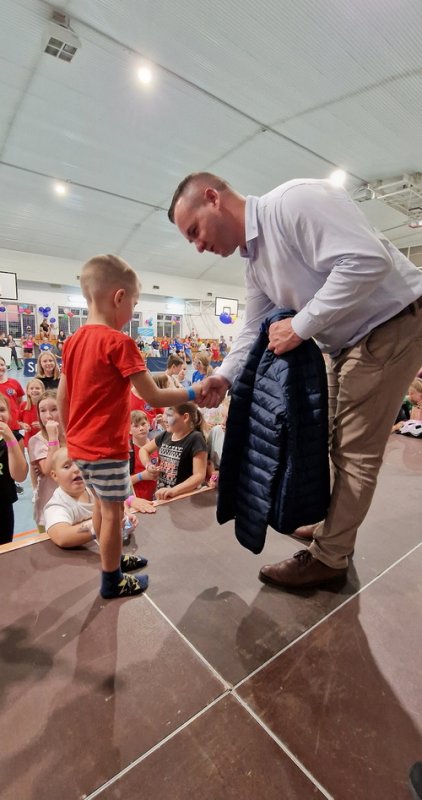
x,y
251,227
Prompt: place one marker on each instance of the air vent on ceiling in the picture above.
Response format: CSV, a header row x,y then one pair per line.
x,y
155,287
209,294
61,42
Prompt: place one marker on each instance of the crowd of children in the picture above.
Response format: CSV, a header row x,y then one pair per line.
x,y
108,437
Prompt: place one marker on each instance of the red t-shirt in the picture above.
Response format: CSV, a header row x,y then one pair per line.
x,y
138,404
98,362
164,344
143,489
29,415
13,391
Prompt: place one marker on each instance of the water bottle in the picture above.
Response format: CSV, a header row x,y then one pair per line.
x,y
127,530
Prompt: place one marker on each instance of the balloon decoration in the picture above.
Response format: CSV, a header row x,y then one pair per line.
x,y
52,320
68,313
27,311
234,318
44,311
148,322
21,309
225,318
2,309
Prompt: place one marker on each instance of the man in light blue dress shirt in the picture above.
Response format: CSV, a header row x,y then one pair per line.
x,y
309,247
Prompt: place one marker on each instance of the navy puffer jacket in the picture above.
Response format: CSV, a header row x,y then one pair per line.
x,y
274,468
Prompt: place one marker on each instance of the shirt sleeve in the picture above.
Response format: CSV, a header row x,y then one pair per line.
x,y
37,448
199,444
55,513
258,307
333,237
126,356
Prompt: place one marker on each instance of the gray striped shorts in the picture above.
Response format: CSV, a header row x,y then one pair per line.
x,y
110,480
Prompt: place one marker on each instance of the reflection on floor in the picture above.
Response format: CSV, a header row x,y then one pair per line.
x,y
212,685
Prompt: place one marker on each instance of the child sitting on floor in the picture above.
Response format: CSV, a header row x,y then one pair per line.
x,y
13,467
41,448
144,482
68,513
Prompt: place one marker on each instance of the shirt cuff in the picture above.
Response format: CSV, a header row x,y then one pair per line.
x,y
304,325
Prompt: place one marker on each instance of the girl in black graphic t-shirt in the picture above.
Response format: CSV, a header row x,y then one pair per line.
x,y
13,467
182,452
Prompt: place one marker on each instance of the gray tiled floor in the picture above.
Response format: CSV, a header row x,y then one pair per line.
x,y
212,684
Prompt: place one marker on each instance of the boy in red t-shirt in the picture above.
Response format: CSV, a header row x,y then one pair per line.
x,y
99,363
144,481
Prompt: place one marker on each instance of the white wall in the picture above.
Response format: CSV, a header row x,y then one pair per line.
x,y
48,281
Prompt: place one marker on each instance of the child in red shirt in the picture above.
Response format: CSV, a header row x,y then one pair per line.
x,y
99,363
11,389
143,481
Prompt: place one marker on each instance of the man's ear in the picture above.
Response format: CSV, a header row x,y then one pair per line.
x,y
53,474
212,196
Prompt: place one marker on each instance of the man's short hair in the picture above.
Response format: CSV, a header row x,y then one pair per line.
x,y
196,179
106,272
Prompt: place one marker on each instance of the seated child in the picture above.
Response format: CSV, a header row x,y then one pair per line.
x,y
144,483
41,448
68,513
215,444
99,364
13,467
182,452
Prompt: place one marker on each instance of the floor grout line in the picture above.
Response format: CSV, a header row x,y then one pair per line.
x,y
192,646
281,745
327,616
231,690
154,748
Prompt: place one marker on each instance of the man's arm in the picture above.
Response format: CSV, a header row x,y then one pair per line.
x,y
333,238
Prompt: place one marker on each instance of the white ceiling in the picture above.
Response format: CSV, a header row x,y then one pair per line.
x,y
257,92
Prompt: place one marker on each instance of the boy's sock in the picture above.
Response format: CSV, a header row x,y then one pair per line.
x,y
117,584
130,562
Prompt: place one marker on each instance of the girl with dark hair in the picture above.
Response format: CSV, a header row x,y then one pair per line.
x,y
182,452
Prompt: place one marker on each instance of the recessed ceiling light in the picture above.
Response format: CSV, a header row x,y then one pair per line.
x,y
145,75
338,177
60,188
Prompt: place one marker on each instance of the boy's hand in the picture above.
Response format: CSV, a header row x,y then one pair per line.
x,y
26,427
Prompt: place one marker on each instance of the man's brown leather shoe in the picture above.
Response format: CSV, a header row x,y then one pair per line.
x,y
303,571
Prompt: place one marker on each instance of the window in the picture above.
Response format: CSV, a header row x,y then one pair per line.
x,y
15,321
73,323
169,325
79,317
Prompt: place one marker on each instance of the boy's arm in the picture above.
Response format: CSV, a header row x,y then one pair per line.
x,y
63,402
158,398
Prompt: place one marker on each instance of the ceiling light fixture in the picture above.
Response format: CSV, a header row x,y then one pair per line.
x,y
338,177
60,188
145,75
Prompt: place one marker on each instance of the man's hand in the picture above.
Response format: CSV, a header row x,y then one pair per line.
x,y
213,391
282,337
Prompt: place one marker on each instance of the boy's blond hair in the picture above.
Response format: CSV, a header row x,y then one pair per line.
x,y
59,454
105,272
416,385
